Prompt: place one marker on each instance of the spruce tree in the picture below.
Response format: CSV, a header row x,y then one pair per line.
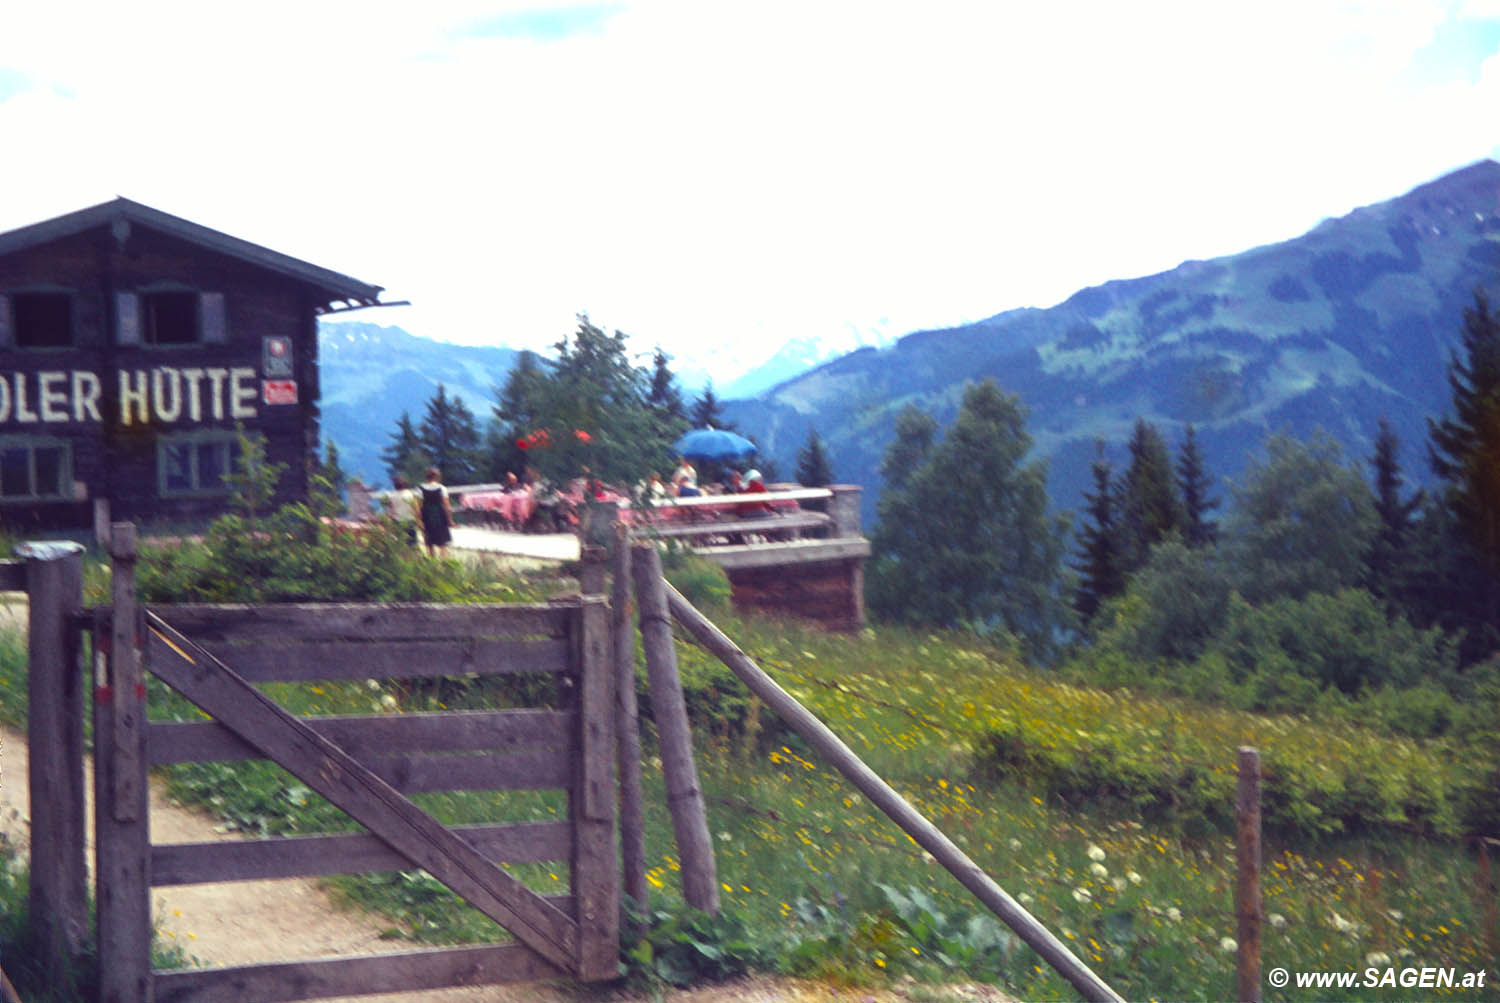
x,y
450,437
1388,563
403,455
1465,448
1150,508
664,396
1464,591
708,411
513,416
1099,566
1193,484
814,469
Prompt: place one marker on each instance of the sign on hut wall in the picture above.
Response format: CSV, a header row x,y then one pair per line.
x,y
160,395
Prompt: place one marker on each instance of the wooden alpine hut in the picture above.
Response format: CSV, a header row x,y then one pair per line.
x,y
133,345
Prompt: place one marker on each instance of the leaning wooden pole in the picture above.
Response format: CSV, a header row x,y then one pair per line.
x,y
632,828
927,835
1247,889
700,880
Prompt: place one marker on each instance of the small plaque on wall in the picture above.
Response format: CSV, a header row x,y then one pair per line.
x,y
276,357
278,391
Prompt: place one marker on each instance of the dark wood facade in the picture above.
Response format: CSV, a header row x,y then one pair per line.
x,y
133,344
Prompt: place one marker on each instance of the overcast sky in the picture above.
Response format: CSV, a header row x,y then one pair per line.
x,y
712,175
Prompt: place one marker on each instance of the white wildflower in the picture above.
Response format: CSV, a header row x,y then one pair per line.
x,y
1228,945
1099,870
1082,895
1134,877
1277,921
1174,914
1096,852
1118,883
1377,959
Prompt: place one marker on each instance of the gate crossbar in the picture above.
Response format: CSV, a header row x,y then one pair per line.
x,y
201,677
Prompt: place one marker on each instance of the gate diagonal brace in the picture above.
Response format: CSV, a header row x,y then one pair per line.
x,y
281,737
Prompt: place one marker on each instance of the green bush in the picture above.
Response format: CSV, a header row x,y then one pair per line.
x,y
1340,652
292,556
1342,640
1172,761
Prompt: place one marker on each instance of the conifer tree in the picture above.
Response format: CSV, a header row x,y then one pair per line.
x,y
1150,509
403,455
708,411
450,437
1099,560
326,479
1193,484
1388,563
664,396
1464,591
1465,449
814,469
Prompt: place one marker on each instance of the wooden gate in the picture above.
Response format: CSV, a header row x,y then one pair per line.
x,y
216,655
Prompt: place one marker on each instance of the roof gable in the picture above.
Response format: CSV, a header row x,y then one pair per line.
x,y
121,213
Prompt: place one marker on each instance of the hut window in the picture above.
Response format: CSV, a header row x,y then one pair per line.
x,y
195,464
169,318
35,469
42,320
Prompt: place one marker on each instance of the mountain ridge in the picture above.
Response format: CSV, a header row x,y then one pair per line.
x,y
1349,321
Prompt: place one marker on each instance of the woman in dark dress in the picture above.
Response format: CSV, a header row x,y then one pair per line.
x,y
437,514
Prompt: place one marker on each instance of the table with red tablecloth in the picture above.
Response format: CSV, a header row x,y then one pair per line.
x,y
514,508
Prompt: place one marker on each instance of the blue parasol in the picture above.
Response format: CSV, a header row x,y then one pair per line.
x,y
713,444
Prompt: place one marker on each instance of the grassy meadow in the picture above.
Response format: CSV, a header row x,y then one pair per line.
x,y
1103,812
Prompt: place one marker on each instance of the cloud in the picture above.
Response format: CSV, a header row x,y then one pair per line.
x,y
737,173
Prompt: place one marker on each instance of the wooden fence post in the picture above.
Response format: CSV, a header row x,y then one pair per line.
x,y
122,841
1247,888
596,875
627,715
59,873
700,880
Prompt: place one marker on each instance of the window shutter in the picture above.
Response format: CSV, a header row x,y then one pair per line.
x,y
211,319
127,319
7,329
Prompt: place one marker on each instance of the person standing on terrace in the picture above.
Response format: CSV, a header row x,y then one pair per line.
x,y
437,513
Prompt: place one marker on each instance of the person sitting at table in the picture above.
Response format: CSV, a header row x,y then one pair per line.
x,y
753,509
732,483
685,480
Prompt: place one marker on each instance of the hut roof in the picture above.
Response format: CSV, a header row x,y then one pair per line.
x,y
120,214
